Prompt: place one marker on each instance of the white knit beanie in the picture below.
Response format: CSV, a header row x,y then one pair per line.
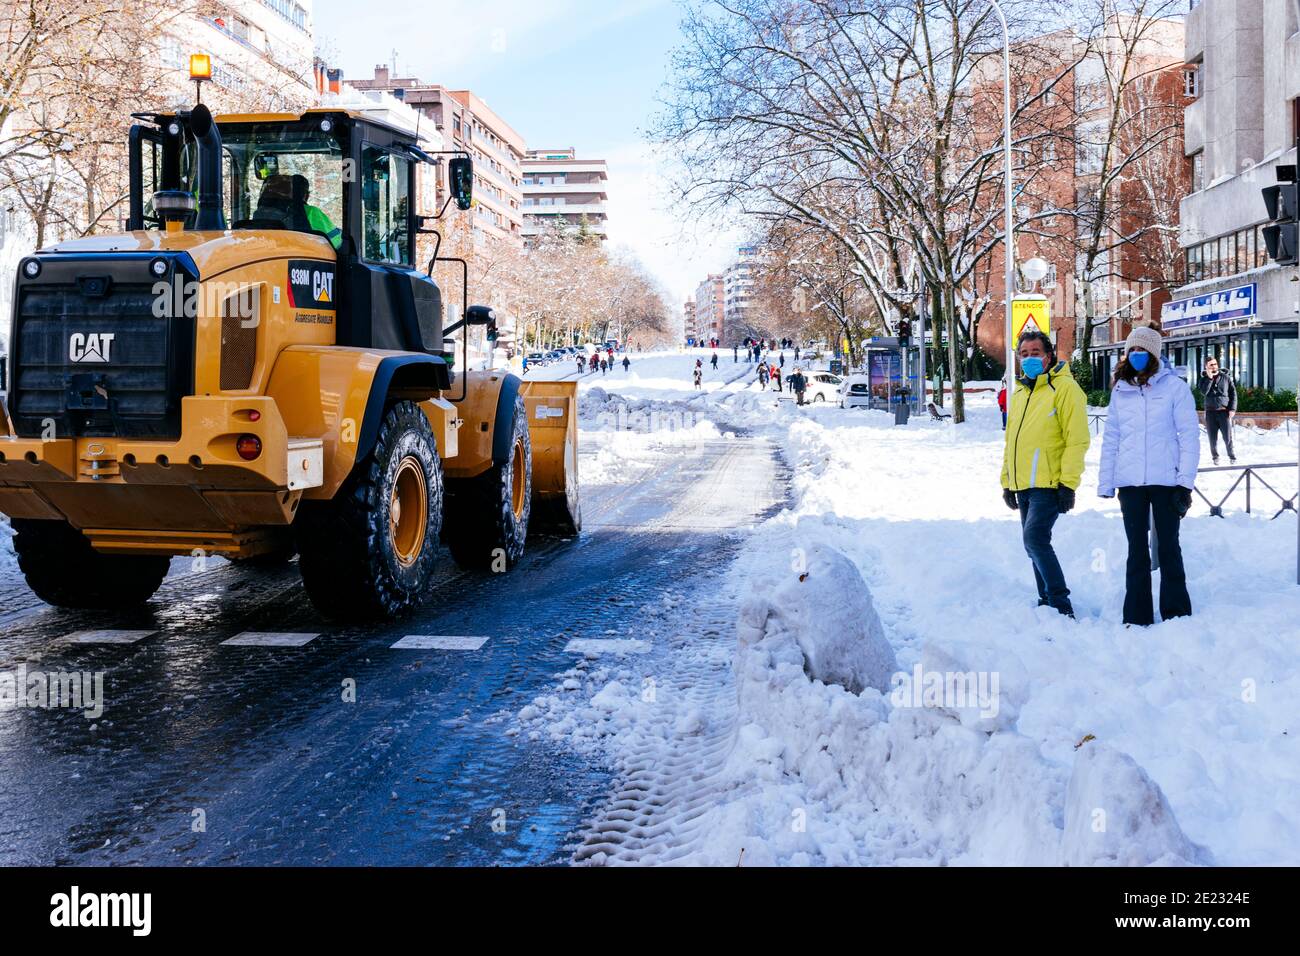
x,y
1144,337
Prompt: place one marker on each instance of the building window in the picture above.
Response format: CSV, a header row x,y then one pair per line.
x,y
1198,171
1192,82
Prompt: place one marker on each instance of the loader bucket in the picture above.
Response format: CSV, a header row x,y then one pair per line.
x,y
553,429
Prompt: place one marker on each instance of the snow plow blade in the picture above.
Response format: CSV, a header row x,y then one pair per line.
x,y
553,429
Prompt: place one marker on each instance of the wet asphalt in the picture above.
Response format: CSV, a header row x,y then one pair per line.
x,y
345,750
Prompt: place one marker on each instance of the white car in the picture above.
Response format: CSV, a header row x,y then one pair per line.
x,y
855,392
822,387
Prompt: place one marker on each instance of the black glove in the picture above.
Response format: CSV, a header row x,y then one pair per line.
x,y
1065,498
1183,501
1009,497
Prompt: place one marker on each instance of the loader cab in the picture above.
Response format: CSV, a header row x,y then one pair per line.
x,y
347,178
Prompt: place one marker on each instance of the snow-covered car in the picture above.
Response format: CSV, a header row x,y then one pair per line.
x,y
855,392
822,387
537,358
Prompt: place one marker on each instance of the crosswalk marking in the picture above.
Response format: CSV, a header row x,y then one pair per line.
x,y
268,639
107,637
596,645
429,642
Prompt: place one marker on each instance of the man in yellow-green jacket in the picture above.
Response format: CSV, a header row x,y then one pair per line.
x,y
1042,465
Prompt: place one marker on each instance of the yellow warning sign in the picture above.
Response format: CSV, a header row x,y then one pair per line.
x,y
1028,314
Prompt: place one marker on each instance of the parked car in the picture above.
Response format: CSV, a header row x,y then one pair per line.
x,y
855,392
822,387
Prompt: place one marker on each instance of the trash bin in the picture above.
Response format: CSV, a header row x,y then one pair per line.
x,y
902,411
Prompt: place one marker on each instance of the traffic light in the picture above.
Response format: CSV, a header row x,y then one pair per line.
x,y
1281,235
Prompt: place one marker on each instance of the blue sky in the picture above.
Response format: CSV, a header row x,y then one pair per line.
x,y
563,73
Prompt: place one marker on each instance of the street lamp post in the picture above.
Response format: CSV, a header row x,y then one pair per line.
x,y
1010,188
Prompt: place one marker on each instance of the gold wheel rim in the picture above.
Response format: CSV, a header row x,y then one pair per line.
x,y
518,480
408,511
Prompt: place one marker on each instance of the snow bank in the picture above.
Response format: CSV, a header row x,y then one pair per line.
x,y
819,611
8,560
1193,722
1115,815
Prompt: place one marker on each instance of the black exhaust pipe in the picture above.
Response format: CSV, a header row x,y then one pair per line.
x,y
210,215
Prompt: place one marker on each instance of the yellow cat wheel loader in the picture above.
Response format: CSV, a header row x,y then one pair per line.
x,y
257,366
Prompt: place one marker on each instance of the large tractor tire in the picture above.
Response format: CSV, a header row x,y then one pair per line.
x,y
485,521
371,551
64,570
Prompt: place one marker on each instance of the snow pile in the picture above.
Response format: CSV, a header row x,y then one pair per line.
x,y
1115,815
8,560
817,613
1007,735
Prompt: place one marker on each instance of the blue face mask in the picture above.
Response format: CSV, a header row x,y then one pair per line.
x,y
1139,360
1032,367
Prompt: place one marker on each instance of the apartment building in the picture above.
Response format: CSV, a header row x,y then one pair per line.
x,y
262,53
1243,68
710,309
564,193
689,328
467,122
1129,280
737,290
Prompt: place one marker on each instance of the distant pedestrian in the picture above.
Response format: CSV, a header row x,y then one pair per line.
x,y
799,385
796,353
627,363
776,378
714,360
1149,455
758,352
582,364
735,355
699,377
762,376
1220,393
1002,403
1042,465
604,365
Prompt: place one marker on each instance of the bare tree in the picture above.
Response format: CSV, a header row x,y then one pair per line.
x,y
857,119
1130,127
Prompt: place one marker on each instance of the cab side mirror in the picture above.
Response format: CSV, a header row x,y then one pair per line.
x,y
485,316
460,177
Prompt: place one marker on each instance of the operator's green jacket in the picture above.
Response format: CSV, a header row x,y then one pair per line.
x,y
1047,432
320,222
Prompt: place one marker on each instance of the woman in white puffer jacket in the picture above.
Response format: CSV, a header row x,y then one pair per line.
x,y
1149,455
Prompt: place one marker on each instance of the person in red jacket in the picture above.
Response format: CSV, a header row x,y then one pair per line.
x,y
1002,403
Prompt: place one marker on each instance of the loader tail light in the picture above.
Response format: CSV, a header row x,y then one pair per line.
x,y
249,447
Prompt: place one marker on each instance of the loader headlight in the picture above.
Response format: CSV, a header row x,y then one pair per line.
x,y
32,268
158,267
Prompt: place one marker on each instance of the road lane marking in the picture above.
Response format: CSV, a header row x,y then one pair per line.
x,y
597,645
106,637
268,639
430,642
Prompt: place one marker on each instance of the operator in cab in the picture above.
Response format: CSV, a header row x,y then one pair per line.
x,y
284,198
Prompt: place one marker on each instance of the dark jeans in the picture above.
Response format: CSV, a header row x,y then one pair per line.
x,y
1141,505
1218,423
1039,510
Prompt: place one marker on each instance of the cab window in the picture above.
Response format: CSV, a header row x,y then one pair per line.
x,y
385,203
282,176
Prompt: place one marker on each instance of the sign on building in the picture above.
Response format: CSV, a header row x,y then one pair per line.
x,y
1184,315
